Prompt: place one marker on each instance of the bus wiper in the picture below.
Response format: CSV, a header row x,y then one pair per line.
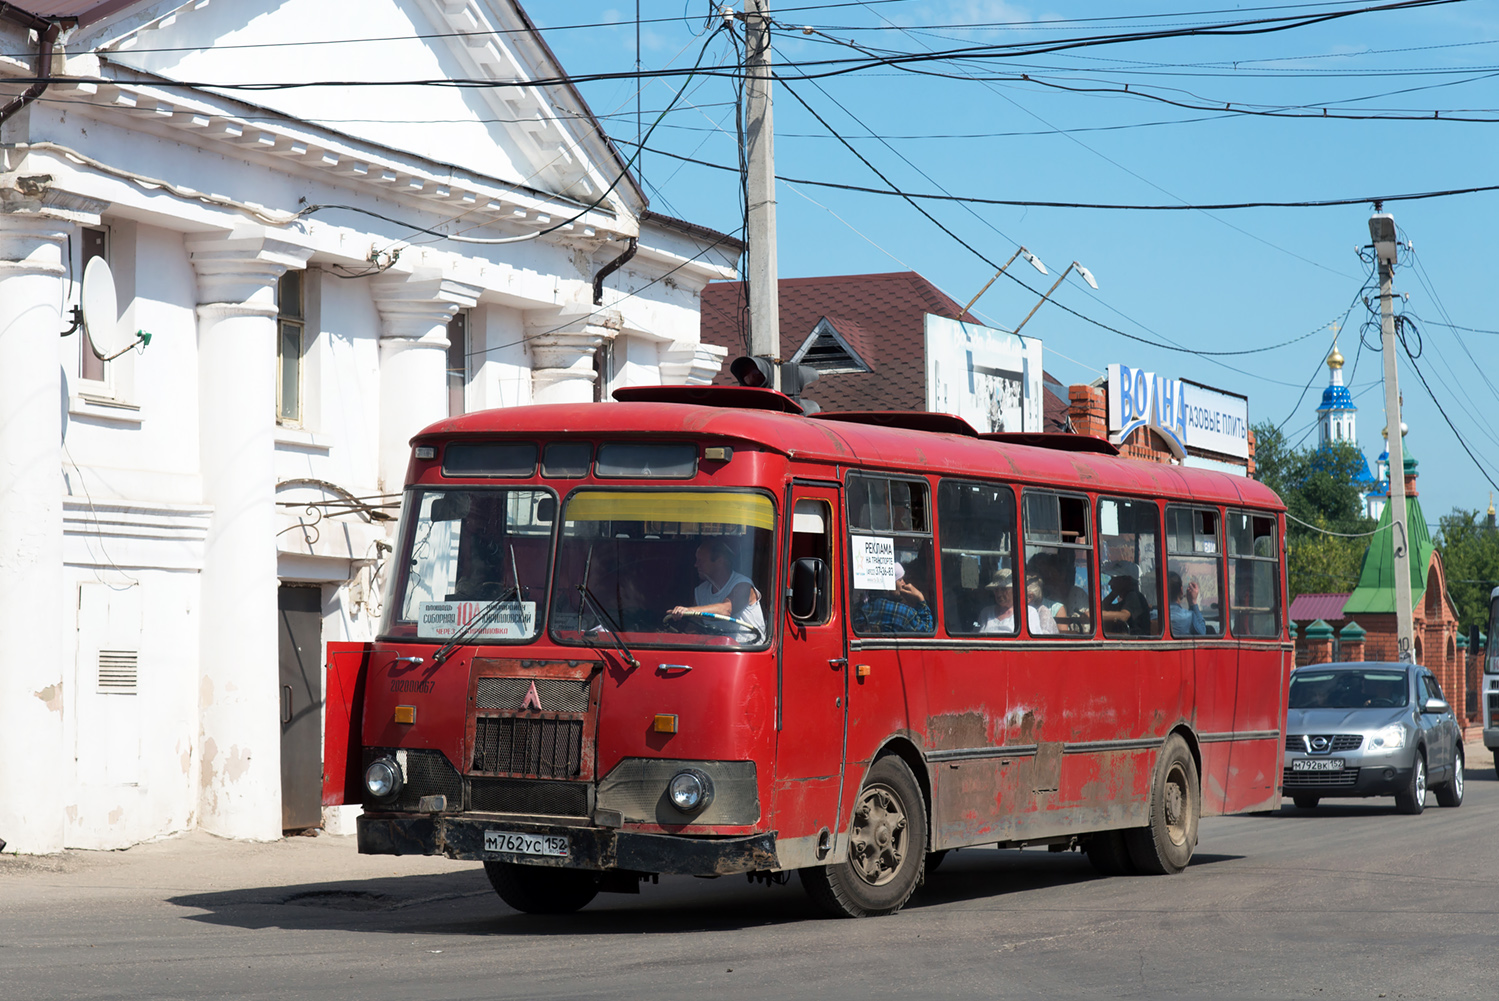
x,y
598,609
485,617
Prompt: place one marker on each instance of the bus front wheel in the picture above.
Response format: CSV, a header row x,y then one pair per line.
x,y
887,841
538,889
1164,847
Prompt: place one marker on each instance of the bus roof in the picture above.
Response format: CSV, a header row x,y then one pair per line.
x,y
851,443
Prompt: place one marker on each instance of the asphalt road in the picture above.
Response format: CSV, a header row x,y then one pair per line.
x,y
1348,901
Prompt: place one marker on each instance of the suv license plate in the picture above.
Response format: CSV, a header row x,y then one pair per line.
x,y
1317,765
512,843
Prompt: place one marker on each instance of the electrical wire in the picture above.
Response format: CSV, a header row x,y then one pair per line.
x,y
1403,321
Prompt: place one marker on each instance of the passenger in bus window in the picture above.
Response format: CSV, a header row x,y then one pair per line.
x,y
1000,620
723,590
1125,609
1186,617
902,611
1038,617
1061,596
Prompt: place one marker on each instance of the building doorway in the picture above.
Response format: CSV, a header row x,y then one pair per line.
x,y
300,635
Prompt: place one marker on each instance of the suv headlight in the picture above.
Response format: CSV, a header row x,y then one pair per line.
x,y
1391,738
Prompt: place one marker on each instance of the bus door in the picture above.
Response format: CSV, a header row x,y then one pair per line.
x,y
812,708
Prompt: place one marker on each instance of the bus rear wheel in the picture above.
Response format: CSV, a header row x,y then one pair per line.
x,y
1164,847
886,852
537,889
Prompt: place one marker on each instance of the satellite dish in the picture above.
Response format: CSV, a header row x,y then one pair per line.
x,y
101,313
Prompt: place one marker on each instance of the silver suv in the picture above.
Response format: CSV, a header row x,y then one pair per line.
x,y
1371,729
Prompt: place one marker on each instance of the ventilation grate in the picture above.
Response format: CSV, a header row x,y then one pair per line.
x,y
118,672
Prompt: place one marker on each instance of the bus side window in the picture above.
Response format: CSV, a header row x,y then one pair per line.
x,y
1194,563
1253,569
1058,565
976,534
1129,553
890,526
812,539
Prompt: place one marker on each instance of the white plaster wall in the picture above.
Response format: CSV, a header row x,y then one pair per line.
x,y
134,757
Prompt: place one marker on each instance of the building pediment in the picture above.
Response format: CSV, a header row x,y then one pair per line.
x,y
474,108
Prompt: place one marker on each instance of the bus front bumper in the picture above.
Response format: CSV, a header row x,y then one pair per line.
x,y
596,848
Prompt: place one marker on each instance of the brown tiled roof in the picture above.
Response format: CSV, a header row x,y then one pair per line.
x,y
880,316
1055,408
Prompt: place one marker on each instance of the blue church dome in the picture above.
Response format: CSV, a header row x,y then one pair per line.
x,y
1336,397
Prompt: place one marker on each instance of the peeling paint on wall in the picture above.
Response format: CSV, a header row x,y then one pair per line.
x,y
210,751
52,696
238,764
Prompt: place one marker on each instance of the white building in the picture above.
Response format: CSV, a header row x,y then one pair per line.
x,y
295,255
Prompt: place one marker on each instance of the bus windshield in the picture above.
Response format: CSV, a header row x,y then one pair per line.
x,y
471,554
664,568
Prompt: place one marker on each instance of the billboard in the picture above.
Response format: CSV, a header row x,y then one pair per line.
x,y
988,377
1185,414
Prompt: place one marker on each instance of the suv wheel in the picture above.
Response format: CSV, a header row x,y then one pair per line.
x,y
1413,798
1450,793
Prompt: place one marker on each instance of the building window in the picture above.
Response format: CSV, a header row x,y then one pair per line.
x,y
457,364
94,243
290,340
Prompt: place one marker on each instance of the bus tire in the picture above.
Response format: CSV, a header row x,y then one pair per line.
x,y
1164,847
1109,854
536,889
886,852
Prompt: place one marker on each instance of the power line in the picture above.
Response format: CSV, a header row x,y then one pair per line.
x,y
1105,206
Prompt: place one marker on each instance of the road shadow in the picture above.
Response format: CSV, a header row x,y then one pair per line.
x,y
463,903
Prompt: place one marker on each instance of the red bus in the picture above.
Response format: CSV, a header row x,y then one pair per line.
x,y
696,631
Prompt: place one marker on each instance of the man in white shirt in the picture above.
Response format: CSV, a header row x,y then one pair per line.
x,y
723,590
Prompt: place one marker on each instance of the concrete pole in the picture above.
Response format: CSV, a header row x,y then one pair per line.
x,y
1382,229
35,777
238,680
760,190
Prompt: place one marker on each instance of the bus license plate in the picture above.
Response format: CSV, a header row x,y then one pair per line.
x,y
1317,765
512,843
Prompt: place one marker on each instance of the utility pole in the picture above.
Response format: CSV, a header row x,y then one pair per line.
x,y
1382,230
760,190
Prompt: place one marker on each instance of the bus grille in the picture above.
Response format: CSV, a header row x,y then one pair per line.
x,y
568,799
557,695
522,745
1345,779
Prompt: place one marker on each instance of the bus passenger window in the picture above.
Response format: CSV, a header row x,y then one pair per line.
x,y
1253,569
976,527
1193,569
1058,565
890,538
1129,535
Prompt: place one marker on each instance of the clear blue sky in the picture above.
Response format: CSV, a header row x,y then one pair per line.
x,y
1223,280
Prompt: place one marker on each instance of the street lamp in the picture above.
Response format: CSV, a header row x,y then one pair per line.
x,y
1035,262
1074,266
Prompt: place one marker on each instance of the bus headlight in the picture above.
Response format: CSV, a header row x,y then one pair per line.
x,y
690,791
383,778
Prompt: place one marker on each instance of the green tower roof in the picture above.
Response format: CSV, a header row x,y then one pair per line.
x,y
1376,582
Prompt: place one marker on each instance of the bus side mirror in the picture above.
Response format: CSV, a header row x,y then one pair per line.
x,y
809,590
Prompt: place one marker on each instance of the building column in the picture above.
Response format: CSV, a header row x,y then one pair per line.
x,y
35,778
414,314
238,680
562,346
688,364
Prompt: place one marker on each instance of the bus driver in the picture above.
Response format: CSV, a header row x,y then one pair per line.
x,y
723,590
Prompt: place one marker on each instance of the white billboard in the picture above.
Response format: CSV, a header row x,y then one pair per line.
x,y
988,377
1184,413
